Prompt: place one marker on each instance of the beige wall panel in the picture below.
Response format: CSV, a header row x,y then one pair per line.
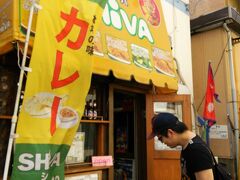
x,y
199,68
211,45
199,8
233,3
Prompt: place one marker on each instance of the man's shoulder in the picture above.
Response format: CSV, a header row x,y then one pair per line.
x,y
196,144
197,139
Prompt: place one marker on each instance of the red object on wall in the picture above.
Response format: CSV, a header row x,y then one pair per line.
x,y
209,109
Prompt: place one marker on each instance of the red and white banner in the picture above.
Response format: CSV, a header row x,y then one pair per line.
x,y
209,108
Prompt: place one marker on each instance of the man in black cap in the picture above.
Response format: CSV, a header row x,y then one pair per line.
x,y
196,160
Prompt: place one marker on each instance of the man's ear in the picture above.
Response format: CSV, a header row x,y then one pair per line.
x,y
170,132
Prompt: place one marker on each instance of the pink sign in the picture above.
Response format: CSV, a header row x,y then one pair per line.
x,y
102,161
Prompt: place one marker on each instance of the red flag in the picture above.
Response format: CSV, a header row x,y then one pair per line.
x,y
209,110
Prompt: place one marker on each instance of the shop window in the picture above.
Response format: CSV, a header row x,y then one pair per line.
x,y
91,138
174,108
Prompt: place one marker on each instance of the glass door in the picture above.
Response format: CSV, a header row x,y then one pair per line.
x,y
162,161
128,128
124,116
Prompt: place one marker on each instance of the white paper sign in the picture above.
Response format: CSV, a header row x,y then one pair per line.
x,y
83,177
159,107
218,132
76,151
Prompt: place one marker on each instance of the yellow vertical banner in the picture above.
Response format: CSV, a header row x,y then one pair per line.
x,y
56,88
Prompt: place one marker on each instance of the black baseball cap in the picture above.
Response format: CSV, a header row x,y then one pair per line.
x,y
162,122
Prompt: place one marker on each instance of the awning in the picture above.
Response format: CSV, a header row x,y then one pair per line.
x,y
6,25
13,23
131,42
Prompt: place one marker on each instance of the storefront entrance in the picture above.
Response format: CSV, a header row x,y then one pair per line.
x,y
129,139
162,162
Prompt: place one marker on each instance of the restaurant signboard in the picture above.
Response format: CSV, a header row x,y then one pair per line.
x,y
132,41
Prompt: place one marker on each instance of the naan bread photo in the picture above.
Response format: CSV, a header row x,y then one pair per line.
x,y
39,105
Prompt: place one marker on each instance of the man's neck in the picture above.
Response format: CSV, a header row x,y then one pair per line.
x,y
186,137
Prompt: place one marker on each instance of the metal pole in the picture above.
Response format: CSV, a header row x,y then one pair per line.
x,y
14,117
234,97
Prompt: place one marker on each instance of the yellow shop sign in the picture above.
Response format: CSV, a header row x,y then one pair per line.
x,y
132,41
116,17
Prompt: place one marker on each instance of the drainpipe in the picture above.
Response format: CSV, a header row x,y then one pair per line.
x,y
234,97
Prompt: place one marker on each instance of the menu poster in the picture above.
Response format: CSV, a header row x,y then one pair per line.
x,y
76,151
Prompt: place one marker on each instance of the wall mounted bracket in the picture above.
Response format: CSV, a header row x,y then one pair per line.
x,y
235,40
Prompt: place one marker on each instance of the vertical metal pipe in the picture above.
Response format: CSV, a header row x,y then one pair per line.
x,y
14,117
234,97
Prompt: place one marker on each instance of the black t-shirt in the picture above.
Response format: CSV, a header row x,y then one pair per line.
x,y
195,157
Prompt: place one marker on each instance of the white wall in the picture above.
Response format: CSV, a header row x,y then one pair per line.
x,y
177,20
